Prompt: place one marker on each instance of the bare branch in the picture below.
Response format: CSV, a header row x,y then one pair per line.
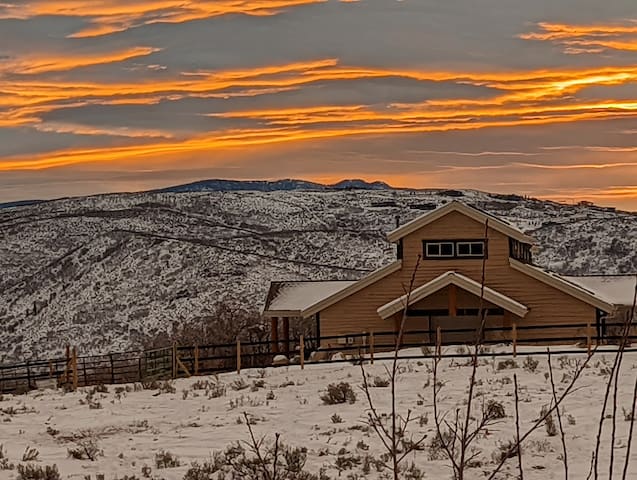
x,y
559,416
517,426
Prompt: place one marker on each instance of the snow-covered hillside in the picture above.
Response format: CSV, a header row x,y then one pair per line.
x,y
192,418
102,272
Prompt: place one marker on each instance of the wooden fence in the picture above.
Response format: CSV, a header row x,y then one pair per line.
x,y
72,371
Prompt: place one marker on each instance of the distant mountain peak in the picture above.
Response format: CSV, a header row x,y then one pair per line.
x,y
222,185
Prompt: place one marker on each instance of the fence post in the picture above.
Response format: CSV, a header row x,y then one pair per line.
x,y
28,376
139,367
371,347
75,379
588,337
174,360
514,335
302,351
438,341
110,356
50,368
66,367
238,356
196,359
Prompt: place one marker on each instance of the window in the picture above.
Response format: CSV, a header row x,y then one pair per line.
x,y
446,249
439,249
470,249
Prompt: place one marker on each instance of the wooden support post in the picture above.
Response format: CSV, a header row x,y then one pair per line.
x,y
174,361
67,378
28,376
274,334
196,359
514,337
112,368
238,356
438,341
588,337
51,369
286,336
75,377
302,351
453,301
371,347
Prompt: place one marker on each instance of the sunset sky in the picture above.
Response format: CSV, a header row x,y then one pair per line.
x,y
532,97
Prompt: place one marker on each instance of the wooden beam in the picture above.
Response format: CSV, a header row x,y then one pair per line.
x,y
453,301
302,351
274,334
286,335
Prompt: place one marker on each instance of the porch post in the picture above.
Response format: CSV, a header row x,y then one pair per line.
x,y
286,335
274,334
453,301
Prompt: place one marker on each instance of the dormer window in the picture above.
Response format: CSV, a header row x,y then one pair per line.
x,y
441,249
470,249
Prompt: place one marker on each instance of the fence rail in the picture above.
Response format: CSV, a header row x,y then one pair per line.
x,y
180,361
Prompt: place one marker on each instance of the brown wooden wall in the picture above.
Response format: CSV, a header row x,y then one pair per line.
x,y
357,313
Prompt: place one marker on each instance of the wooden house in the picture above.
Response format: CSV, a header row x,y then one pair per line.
x,y
461,263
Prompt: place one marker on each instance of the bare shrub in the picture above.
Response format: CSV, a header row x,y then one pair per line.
x,y
507,364
549,422
4,460
506,450
530,364
38,472
164,459
494,410
380,382
87,447
30,454
336,418
338,393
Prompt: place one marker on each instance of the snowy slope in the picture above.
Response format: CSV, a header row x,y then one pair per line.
x,y
102,272
132,425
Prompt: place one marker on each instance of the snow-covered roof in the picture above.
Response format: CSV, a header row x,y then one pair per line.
x,y
577,290
618,289
453,278
292,298
467,210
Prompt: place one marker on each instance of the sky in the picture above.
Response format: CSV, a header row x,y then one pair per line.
x,y
510,96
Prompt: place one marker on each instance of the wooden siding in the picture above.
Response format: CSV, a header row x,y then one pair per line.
x,y
546,304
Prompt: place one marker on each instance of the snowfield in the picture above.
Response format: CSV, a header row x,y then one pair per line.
x,y
132,424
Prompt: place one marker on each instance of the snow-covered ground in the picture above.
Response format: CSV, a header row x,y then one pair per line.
x,y
132,424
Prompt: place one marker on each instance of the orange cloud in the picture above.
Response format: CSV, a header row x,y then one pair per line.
x,y
35,64
111,16
578,39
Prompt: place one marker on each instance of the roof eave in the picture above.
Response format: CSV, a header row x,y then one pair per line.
x,y
410,227
563,285
460,281
350,290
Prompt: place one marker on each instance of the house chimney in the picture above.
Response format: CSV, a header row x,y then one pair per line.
x,y
397,221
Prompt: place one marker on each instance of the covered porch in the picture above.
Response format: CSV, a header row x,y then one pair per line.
x,y
289,308
451,304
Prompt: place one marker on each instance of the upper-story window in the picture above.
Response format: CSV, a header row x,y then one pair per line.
x,y
470,249
437,249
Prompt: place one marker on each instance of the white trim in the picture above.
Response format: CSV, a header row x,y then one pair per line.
x,y
554,280
460,281
466,210
347,291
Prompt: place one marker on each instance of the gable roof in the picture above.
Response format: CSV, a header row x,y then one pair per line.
x,y
452,278
291,298
576,290
619,289
469,211
352,289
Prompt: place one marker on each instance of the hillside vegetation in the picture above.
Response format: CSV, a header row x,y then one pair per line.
x,y
105,272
